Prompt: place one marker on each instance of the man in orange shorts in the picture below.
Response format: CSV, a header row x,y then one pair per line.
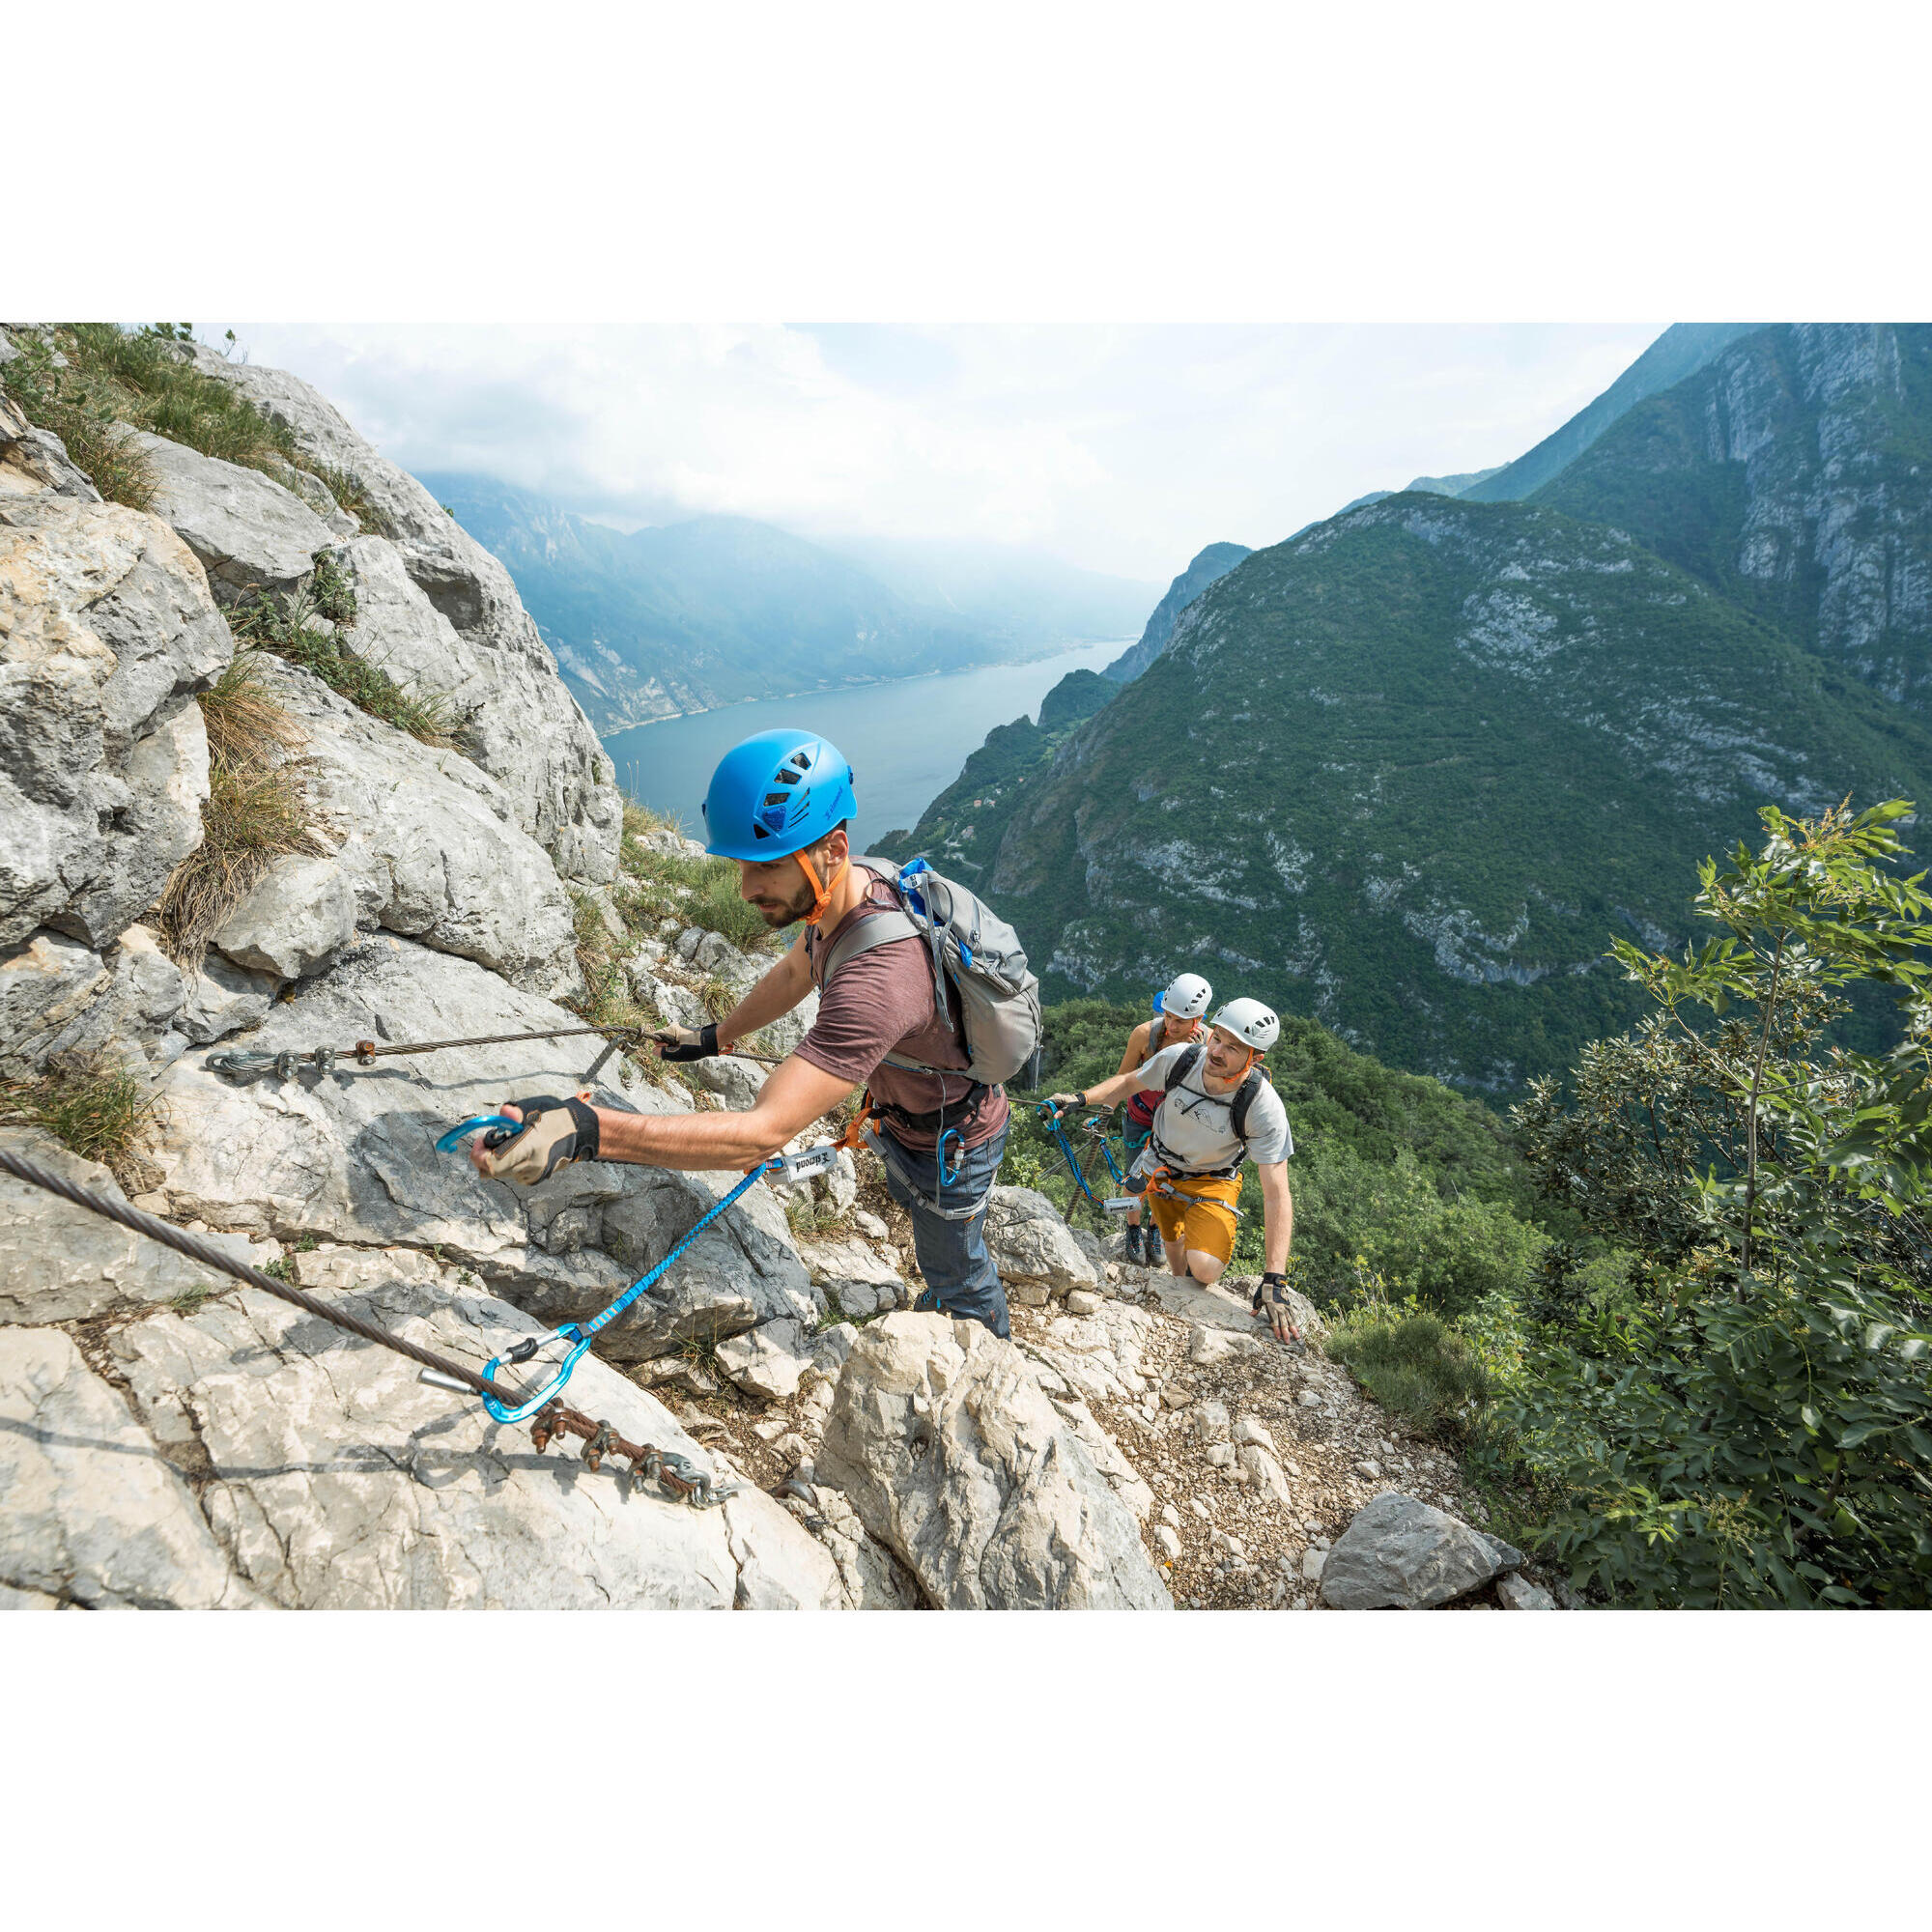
x,y
1216,1111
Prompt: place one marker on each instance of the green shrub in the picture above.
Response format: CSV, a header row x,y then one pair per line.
x,y
1416,1365
100,1110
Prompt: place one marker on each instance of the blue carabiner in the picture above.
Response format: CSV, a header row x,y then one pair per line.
x,y
501,1412
946,1178
499,1127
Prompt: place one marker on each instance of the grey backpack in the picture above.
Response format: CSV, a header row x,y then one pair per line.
x,y
976,952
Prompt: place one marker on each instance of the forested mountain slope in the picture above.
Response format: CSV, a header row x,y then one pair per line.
x,y
1793,474
1409,770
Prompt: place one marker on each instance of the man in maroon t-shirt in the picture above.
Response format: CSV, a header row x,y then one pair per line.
x,y
781,805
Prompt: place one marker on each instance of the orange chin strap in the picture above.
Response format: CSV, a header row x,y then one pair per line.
x,y
821,894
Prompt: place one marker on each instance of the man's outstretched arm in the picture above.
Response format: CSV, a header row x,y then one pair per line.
x,y
796,1095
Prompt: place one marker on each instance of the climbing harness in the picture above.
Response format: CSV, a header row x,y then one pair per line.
x,y
676,1476
575,1337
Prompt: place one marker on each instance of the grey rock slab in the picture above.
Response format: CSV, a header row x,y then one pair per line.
x,y
349,1156
1264,1473
870,1576
300,914
223,997
1031,1243
853,1273
1401,1553
954,1459
246,529
58,1263
34,462
121,1005
431,843
781,1566
766,1361
46,982
108,631
1519,1593
1122,1478
93,1513
334,1479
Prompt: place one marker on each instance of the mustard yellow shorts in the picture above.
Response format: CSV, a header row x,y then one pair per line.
x,y
1199,1212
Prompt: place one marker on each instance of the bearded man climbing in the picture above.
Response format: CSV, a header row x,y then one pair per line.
x,y
1216,1109
889,1019
1177,1020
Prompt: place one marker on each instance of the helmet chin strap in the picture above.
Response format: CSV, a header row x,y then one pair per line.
x,y
821,893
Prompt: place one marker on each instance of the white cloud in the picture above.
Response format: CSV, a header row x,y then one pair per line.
x,y
1121,449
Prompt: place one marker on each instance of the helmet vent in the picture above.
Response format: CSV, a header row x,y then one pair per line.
x,y
786,778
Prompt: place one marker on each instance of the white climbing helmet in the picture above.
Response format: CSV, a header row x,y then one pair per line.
x,y
1250,1022
1188,998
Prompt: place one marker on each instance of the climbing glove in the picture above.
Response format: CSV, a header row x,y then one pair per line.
x,y
687,1042
1065,1103
1272,1304
554,1133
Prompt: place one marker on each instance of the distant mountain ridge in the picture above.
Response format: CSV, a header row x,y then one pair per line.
x,y
1209,566
688,616
1681,351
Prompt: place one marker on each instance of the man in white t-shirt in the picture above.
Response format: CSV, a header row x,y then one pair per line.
x,y
1217,1110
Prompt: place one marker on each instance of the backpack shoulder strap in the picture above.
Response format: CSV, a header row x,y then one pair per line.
x,y
876,928
1181,1068
1244,1098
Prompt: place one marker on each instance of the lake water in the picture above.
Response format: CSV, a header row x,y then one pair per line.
x,y
907,738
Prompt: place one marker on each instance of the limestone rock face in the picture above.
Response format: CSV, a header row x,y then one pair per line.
x,y
334,1479
1033,1248
349,1156
1399,1553
127,1011
34,460
300,914
957,1462
431,848
516,718
106,630
58,1262
249,532
94,1515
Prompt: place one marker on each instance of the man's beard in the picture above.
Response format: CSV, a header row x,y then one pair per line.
x,y
778,913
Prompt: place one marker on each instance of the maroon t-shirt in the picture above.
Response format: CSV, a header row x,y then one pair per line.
x,y
883,1002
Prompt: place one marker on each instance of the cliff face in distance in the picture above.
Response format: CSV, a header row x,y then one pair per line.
x,y
1793,473
1434,754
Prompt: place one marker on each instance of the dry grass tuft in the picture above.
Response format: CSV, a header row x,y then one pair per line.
x,y
257,809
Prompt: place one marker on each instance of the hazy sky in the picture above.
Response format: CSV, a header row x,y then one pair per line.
x,y
1124,449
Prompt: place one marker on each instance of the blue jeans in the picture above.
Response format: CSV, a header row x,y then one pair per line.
x,y
960,1277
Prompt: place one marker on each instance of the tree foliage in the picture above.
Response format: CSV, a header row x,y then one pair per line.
x,y
1751,1421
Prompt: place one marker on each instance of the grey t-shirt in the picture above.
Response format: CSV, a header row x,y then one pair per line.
x,y
1193,1129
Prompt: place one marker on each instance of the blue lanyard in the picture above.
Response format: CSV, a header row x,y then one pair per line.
x,y
578,1335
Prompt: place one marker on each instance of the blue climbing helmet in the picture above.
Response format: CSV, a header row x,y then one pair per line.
x,y
777,792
